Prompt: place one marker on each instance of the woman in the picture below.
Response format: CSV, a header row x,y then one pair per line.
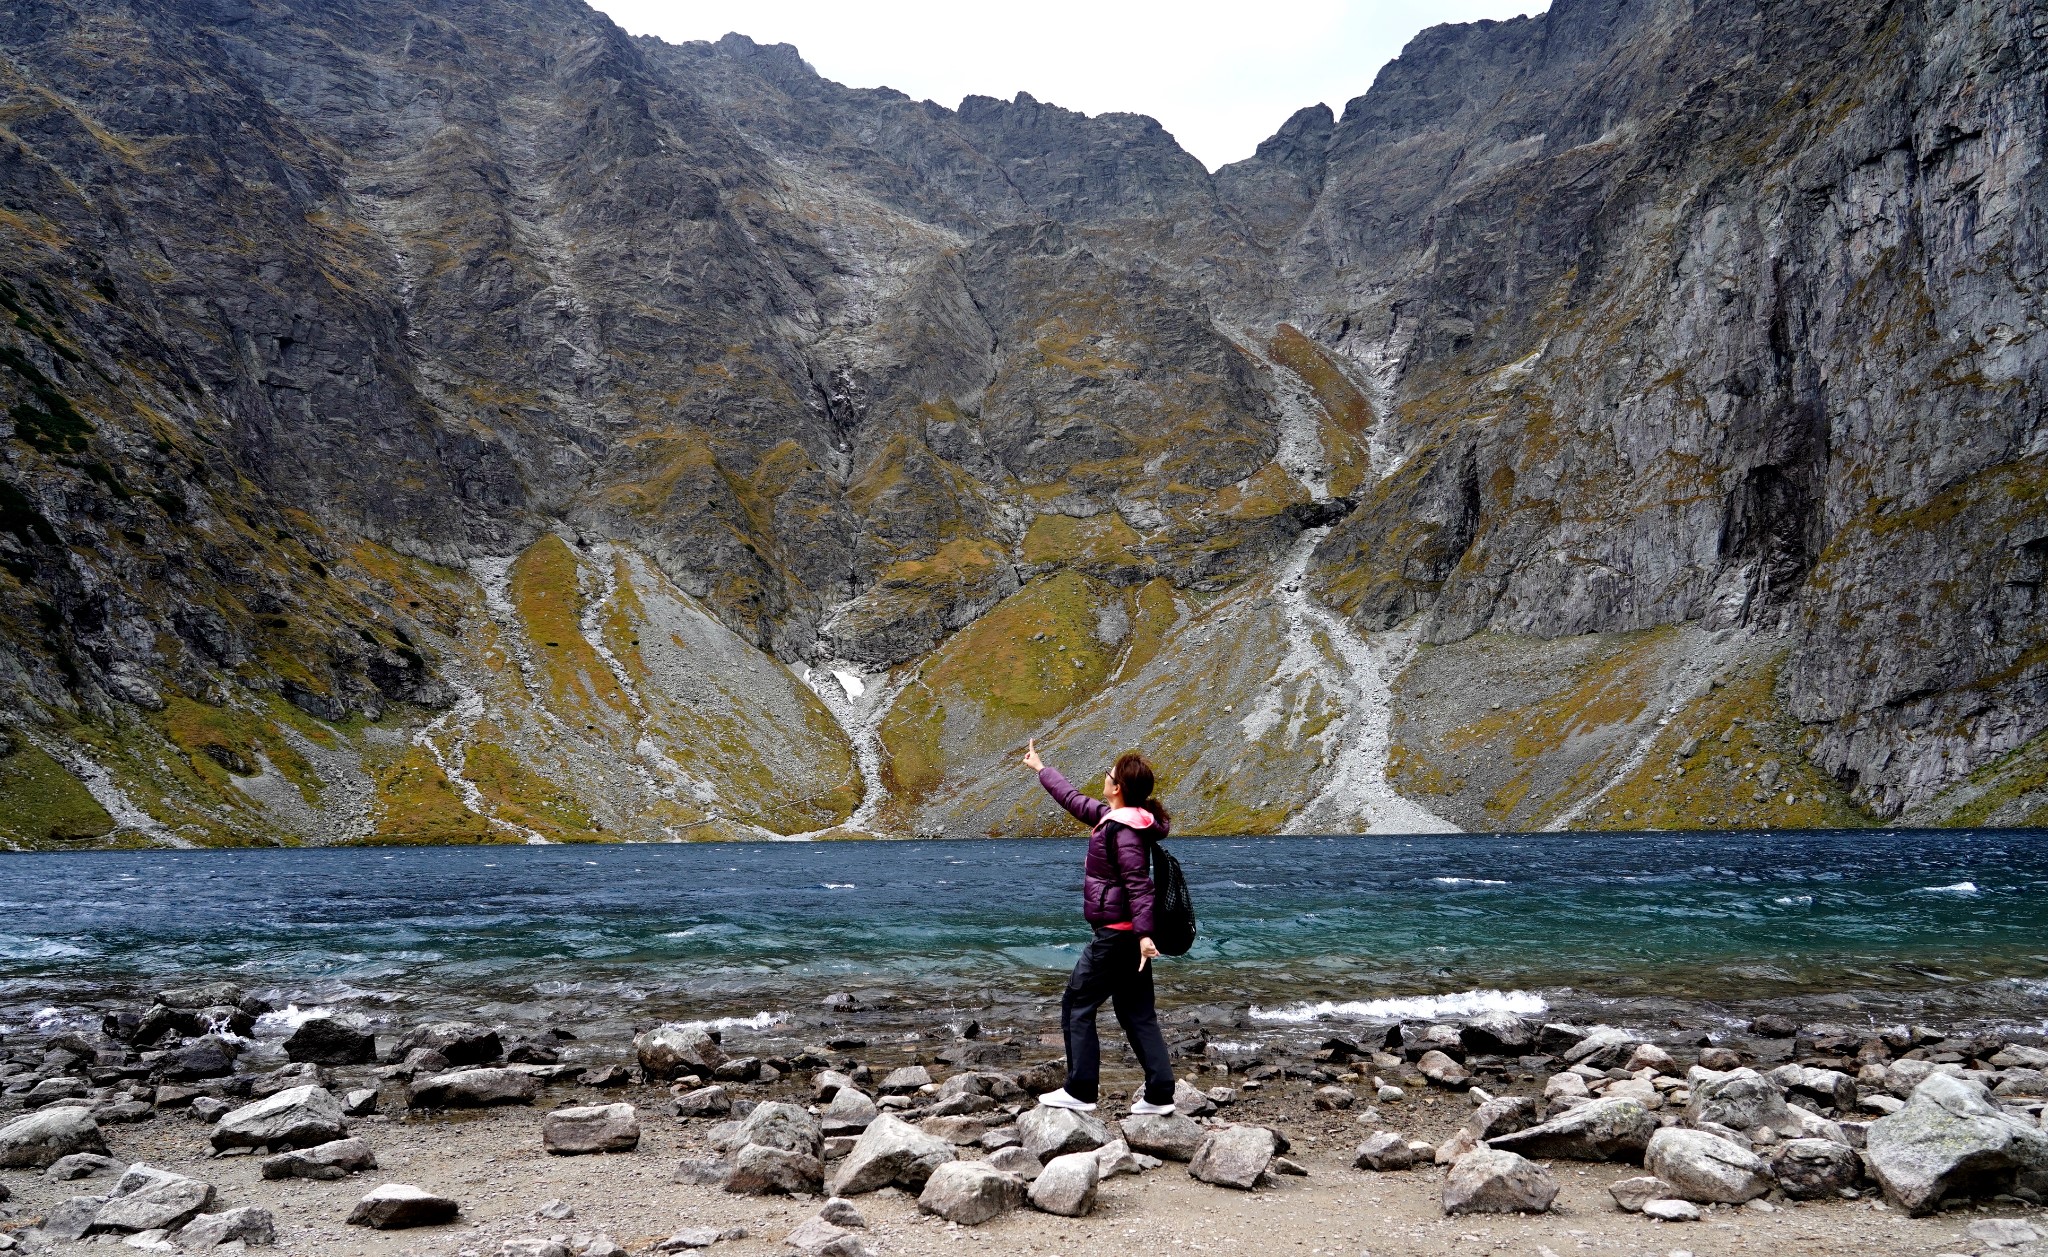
x,y
1116,899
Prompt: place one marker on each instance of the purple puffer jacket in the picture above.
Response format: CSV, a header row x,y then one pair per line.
x,y
1119,869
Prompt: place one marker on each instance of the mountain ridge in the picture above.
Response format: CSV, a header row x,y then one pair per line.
x,y
351,343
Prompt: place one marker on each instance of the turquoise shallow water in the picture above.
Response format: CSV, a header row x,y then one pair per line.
x,y
1950,924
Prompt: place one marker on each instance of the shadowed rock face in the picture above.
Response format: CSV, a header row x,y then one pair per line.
x,y
1613,319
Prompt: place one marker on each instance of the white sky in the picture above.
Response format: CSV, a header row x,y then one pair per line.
x,y
1220,77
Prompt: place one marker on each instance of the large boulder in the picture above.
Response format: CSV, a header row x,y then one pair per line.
x,y
1173,1136
473,1089
1497,1034
1502,1115
1704,1168
254,1227
1950,1141
1816,1169
1066,1186
1598,1130
781,1125
590,1128
817,1237
47,1135
208,1056
1741,1099
1047,1132
458,1042
1442,1071
891,1150
1830,1087
848,1112
1492,1181
971,1192
761,1170
677,1048
298,1118
327,1163
1234,1156
342,1040
398,1206
149,1199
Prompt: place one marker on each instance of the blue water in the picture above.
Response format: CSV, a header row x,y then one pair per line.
x,y
1953,921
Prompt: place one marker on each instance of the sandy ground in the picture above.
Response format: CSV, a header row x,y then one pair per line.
x,y
493,1164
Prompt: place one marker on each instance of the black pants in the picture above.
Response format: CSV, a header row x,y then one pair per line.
x,y
1108,970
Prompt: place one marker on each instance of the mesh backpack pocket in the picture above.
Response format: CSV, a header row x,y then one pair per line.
x,y
1173,908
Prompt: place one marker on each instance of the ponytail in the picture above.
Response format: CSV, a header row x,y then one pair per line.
x,y
1134,777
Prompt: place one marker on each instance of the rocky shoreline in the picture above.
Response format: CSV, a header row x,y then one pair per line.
x,y
188,1126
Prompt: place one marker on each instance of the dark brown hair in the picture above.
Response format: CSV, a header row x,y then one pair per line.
x,y
1133,775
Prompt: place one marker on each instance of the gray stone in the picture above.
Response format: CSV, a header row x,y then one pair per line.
x,y
711,1101
1049,1132
1116,1157
301,1117
827,1083
591,1129
149,1199
841,1212
850,1110
1234,1156
780,1125
1631,1194
891,1151
2004,1232
762,1169
958,1130
460,1043
83,1165
362,1102
342,1040
473,1089
1816,1169
1460,1143
249,1225
1503,1115
1173,1136
1066,1186
1671,1210
1497,1034
971,1192
1016,1161
401,1206
532,1246
328,1162
701,1171
905,1080
1950,1140
47,1136
815,1237
1492,1181
1384,1151
1598,1130
677,1048
72,1217
1441,1071
1828,1086
1651,1057
1604,1047
1706,1169
556,1210
1742,1100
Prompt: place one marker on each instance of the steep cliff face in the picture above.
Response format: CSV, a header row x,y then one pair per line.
x,y
462,421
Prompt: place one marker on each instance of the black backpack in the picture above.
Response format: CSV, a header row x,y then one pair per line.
x,y
1173,908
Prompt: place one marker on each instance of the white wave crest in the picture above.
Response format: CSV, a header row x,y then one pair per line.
x,y
1466,881
838,885
284,1020
1413,1007
759,1021
1955,888
1793,901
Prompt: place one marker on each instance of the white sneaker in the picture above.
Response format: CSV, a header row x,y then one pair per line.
x,y
1061,1100
1150,1109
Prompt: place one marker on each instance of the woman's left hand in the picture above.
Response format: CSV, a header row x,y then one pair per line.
x,y
1147,952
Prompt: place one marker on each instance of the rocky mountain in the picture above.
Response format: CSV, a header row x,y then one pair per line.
x,y
461,421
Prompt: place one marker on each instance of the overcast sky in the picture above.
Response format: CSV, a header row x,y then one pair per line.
x,y
1220,77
